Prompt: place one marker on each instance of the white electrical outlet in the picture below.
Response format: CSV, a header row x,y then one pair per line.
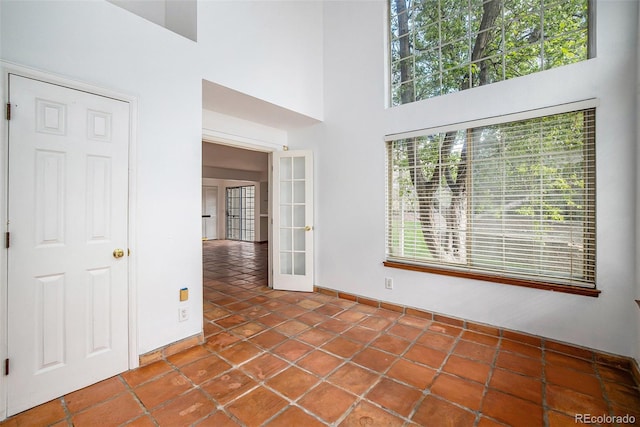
x,y
183,313
388,283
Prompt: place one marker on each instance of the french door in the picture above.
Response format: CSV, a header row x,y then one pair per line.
x,y
293,227
241,213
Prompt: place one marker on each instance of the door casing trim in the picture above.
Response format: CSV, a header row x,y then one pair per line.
x,y
7,68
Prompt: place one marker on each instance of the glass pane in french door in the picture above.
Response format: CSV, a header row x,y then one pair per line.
x,y
292,212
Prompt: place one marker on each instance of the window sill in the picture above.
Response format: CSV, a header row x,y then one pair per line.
x,y
576,290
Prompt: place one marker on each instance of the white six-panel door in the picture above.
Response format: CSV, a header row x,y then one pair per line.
x,y
293,220
67,209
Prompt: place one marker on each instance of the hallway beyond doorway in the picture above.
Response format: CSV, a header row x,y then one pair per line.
x,y
234,263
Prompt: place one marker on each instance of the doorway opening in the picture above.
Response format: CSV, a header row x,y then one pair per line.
x,y
235,210
235,193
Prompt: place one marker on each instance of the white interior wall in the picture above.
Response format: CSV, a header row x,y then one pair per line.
x,y
102,44
154,11
241,133
179,16
278,44
78,40
233,174
350,178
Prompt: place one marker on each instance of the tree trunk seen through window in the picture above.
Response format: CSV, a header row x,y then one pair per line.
x,y
448,172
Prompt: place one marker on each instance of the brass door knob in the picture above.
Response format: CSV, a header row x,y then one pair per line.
x,y
118,253
307,228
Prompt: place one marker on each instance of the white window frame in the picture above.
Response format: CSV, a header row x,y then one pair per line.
x,y
469,65
465,270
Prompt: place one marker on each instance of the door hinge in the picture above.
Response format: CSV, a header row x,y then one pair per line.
x,y
6,366
7,240
8,111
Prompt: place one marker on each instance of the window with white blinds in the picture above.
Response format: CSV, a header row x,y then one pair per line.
x,y
512,200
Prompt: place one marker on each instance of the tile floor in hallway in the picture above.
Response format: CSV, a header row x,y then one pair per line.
x,y
274,358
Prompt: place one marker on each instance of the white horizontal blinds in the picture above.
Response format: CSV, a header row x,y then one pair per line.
x,y
427,210
514,199
532,203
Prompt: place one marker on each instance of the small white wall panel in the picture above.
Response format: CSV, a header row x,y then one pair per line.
x,y
98,311
50,189
99,126
50,309
51,117
98,198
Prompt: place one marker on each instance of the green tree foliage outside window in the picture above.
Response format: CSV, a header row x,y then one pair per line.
x,y
444,46
515,199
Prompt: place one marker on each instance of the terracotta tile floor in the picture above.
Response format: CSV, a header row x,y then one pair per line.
x,y
296,359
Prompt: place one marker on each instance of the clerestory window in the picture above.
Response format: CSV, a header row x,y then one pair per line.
x,y
444,46
510,200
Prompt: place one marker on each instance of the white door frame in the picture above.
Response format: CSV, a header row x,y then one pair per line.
x,y
7,68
